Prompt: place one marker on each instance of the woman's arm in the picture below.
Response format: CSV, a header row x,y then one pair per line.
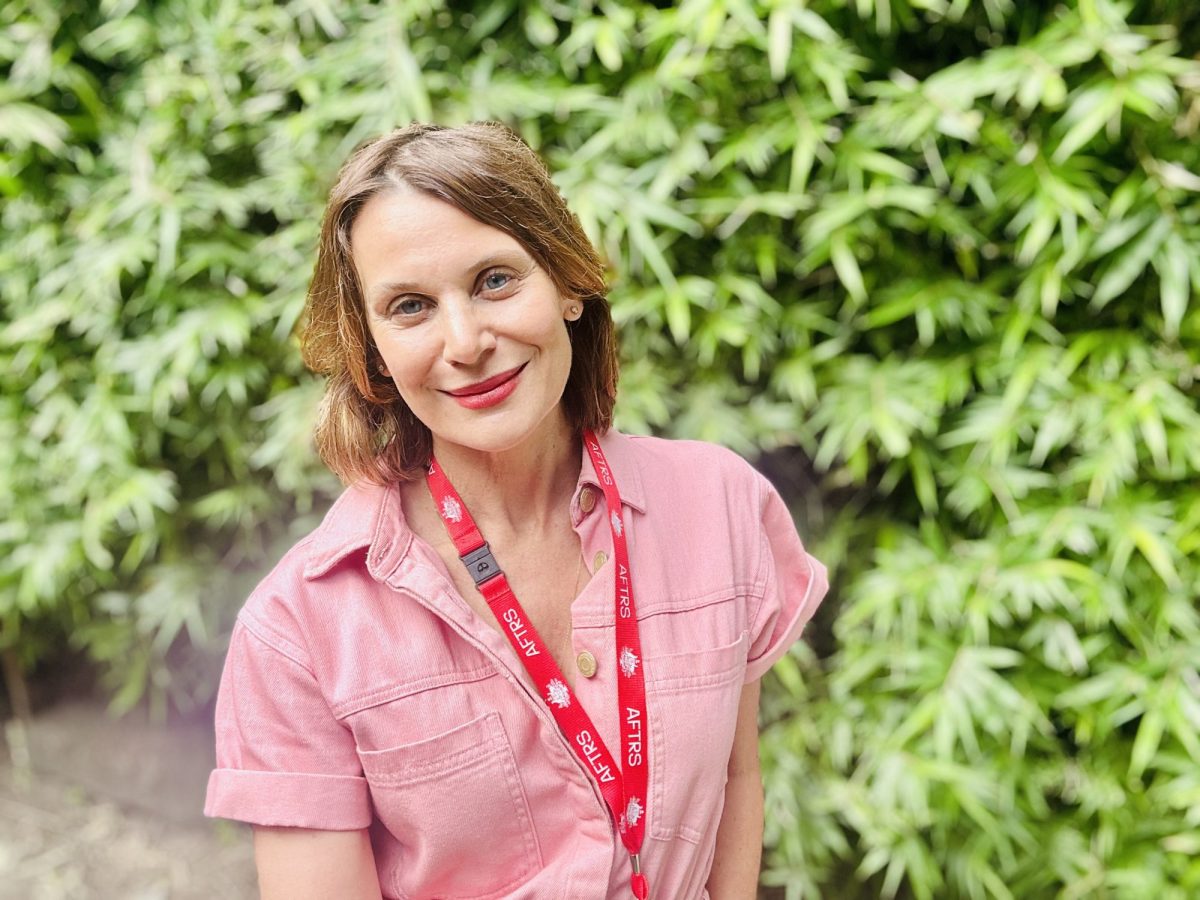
x,y
303,864
734,874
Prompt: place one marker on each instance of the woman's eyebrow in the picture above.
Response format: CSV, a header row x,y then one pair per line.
x,y
508,257
381,293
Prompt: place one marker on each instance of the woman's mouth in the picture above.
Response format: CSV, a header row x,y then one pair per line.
x,y
490,391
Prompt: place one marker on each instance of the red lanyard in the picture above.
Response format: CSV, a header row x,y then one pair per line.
x,y
623,788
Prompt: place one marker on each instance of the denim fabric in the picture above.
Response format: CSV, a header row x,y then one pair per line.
x,y
361,691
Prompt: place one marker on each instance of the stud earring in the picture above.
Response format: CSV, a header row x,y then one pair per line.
x,y
574,311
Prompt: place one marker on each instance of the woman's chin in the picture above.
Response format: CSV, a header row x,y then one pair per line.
x,y
497,431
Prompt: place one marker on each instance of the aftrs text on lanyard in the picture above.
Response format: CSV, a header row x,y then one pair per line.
x,y
622,786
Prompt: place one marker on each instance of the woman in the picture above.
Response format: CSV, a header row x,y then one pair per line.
x,y
397,718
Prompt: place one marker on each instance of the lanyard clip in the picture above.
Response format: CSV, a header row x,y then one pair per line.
x,y
637,881
481,564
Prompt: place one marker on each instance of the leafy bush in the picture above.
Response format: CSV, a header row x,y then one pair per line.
x,y
936,257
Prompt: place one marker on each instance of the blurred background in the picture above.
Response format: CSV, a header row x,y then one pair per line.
x,y
930,264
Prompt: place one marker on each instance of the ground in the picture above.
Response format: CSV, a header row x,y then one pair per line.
x,y
108,809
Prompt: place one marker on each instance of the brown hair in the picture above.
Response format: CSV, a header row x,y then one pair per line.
x,y
364,430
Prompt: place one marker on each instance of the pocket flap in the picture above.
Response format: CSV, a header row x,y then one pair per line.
x,y
472,743
698,668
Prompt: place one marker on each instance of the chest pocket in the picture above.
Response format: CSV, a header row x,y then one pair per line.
x,y
456,805
692,701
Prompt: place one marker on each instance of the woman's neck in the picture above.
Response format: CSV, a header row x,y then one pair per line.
x,y
524,489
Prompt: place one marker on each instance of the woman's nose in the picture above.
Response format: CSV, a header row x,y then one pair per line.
x,y
466,332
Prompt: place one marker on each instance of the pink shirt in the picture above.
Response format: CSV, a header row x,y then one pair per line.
x,y
361,690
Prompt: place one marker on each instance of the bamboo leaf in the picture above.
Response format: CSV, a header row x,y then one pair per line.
x,y
779,42
1154,549
1171,261
847,268
1147,742
23,124
1090,112
1130,264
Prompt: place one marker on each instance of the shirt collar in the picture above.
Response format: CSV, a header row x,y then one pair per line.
x,y
619,452
365,516
369,516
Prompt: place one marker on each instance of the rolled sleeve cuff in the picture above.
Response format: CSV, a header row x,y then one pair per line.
x,y
298,800
788,631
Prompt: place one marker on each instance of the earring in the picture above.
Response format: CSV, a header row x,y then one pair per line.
x,y
574,311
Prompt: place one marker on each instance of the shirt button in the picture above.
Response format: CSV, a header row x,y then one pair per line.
x,y
587,500
600,559
586,663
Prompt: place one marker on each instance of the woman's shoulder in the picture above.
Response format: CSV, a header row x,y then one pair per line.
x,y
311,575
679,468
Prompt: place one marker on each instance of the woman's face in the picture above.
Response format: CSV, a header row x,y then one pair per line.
x,y
470,328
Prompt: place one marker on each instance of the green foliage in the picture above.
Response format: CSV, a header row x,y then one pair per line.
x,y
947,249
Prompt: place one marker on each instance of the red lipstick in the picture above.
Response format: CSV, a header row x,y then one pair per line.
x,y
490,391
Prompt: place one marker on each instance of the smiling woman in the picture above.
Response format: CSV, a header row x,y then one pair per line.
x,y
463,320
489,177
565,709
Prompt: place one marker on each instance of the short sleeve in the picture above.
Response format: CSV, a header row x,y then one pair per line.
x,y
282,757
792,584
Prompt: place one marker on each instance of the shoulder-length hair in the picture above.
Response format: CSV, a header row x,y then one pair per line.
x,y
365,431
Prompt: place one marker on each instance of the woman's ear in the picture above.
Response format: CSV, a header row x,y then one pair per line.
x,y
378,364
572,310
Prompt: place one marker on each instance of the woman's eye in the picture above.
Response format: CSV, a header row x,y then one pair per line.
x,y
496,281
408,306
